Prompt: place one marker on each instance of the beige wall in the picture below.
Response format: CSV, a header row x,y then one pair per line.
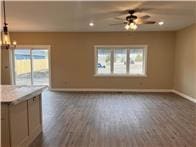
x,y
5,67
185,61
72,58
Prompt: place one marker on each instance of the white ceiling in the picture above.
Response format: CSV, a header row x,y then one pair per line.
x,y
62,16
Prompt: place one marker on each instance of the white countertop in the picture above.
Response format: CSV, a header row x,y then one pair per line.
x,y
16,94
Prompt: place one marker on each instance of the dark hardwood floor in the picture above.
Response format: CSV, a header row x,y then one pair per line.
x,y
117,120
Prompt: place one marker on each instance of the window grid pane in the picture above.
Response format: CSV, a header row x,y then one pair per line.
x,y
120,61
136,64
104,61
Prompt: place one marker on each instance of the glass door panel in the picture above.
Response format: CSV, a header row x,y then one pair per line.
x,y
22,66
40,70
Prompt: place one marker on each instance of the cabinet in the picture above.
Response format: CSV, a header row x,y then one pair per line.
x,y
18,123
4,127
21,123
34,110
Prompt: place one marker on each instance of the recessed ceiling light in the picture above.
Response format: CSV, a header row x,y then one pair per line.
x,y
161,23
91,24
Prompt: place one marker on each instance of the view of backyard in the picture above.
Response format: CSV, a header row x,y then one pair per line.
x,y
38,74
120,61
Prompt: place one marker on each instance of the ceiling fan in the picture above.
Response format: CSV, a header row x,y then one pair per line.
x,y
132,21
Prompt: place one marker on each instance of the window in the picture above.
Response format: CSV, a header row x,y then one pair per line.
x,y
117,60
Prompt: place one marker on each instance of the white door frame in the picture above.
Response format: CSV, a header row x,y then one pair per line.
x,y
30,47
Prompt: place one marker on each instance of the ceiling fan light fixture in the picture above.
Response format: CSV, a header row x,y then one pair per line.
x,y
127,26
133,26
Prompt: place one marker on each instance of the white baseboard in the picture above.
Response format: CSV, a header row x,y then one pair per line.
x,y
124,90
184,96
109,90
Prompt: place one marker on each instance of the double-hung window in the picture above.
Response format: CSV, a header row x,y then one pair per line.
x,y
120,60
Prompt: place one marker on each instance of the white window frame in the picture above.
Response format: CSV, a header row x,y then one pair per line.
x,y
113,47
30,47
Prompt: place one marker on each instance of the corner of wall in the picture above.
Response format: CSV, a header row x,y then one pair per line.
x,y
174,59
185,45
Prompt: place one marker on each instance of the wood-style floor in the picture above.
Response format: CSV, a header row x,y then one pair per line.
x,y
117,120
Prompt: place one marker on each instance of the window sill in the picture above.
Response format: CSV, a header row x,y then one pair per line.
x,y
121,75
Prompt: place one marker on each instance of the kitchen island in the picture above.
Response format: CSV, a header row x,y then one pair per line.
x,y
21,114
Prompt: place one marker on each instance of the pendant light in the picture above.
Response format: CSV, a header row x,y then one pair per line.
x,y
5,41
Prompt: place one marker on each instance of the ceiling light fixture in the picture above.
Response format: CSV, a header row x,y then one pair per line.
x,y
127,27
161,23
91,24
131,26
5,41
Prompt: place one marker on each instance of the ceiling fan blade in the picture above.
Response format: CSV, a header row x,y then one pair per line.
x,y
119,18
115,24
142,9
145,17
169,11
123,12
139,21
149,22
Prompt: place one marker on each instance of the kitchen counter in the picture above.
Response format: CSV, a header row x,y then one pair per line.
x,y
16,94
21,114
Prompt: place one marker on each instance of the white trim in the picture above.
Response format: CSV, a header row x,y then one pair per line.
x,y
95,59
33,46
12,66
124,90
120,75
50,66
145,56
121,46
109,90
111,62
31,62
127,61
184,96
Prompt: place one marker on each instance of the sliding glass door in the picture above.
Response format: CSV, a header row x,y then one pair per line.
x,y
31,66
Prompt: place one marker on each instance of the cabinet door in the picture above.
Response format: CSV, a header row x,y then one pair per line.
x,y
34,108
18,123
5,142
